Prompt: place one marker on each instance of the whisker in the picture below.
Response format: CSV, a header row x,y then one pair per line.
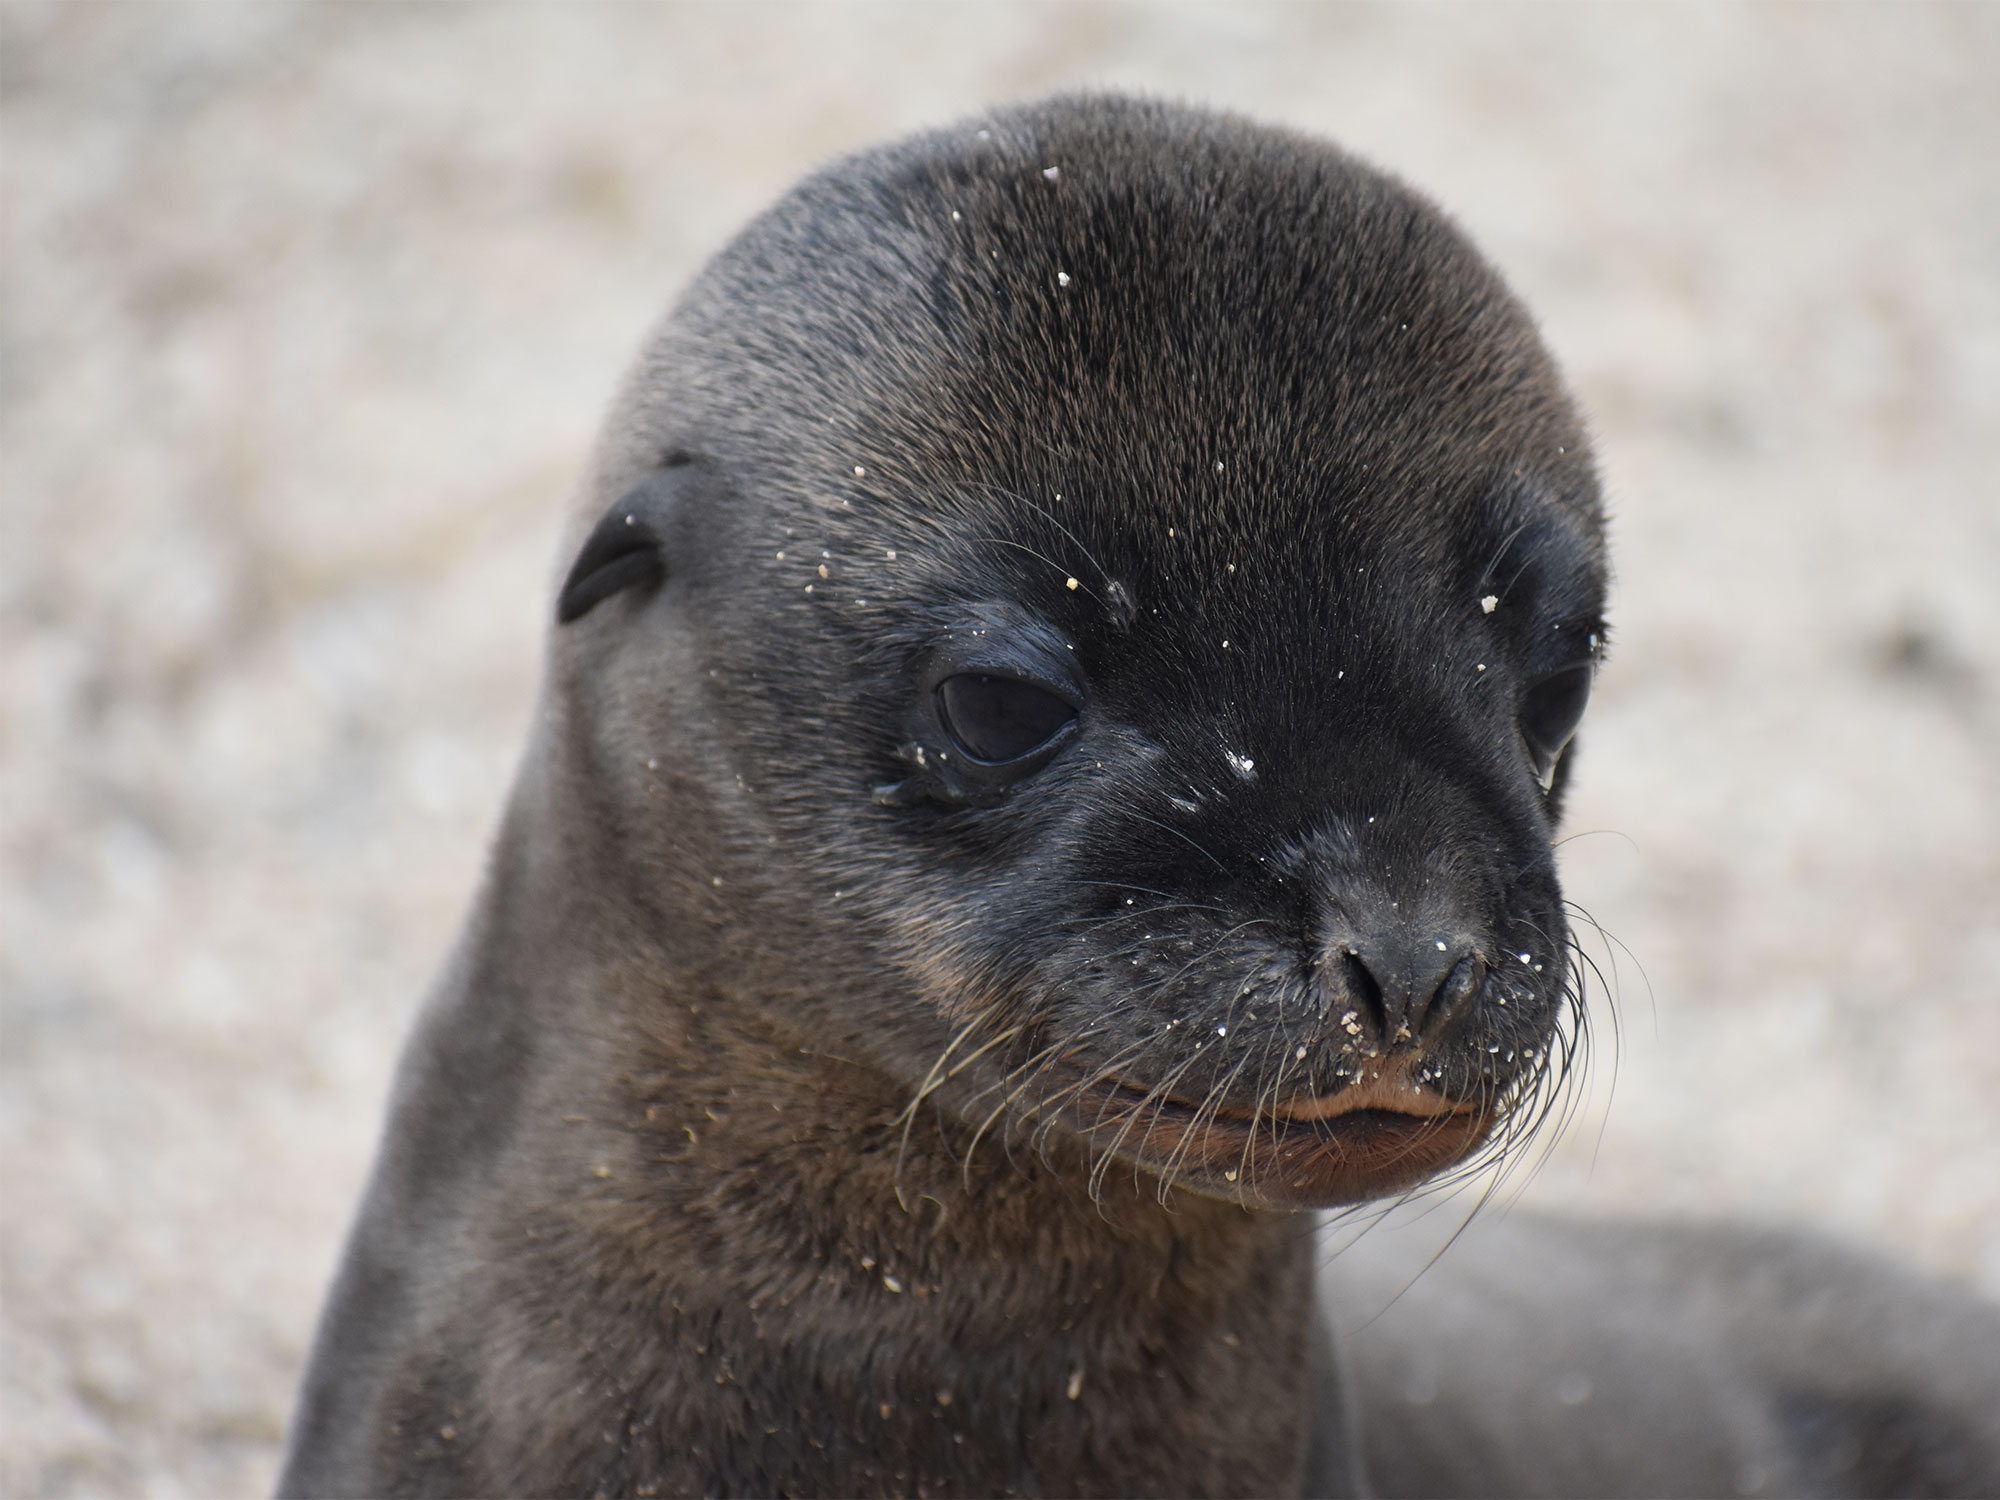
x,y
1001,541
972,1057
931,1079
1000,1109
1140,817
1213,948
1204,1121
1272,1092
1048,515
908,1117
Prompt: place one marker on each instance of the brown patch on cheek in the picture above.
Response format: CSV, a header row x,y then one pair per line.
x,y
942,975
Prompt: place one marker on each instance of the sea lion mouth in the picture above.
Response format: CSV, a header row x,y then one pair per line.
x,y
1393,1091
1368,1140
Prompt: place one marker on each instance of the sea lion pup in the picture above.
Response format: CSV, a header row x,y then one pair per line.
x,y
1046,770
1059,707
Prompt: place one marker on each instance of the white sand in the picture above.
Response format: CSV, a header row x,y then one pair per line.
x,y
308,314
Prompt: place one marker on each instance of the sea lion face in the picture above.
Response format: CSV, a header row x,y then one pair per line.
x,y
1138,574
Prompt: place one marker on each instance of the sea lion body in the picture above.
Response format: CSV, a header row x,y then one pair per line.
x,y
1548,1356
1046,770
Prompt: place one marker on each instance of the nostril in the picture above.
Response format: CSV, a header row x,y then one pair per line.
x,y
1367,993
1392,989
1465,980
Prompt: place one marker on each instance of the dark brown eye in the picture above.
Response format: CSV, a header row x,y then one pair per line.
x,y
1551,711
999,719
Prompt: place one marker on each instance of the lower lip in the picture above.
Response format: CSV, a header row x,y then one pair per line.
x,y
1279,1162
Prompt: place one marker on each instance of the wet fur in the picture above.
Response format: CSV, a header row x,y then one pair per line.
x,y
761,1136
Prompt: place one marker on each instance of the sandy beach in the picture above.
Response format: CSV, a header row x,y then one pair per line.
x,y
307,315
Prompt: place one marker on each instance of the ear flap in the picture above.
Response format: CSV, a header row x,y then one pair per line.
x,y
626,549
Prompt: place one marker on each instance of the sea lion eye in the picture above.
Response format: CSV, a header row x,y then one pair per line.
x,y
1551,710
1000,719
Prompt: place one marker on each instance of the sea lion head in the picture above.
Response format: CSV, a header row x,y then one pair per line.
x,y
1085,616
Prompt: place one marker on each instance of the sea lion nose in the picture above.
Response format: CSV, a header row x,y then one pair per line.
x,y
1391,988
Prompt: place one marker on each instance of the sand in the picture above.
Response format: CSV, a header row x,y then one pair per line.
x,y
308,314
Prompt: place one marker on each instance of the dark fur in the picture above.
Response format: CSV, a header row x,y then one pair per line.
x,y
801,1113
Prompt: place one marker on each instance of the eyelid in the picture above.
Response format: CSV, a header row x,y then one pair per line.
x,y
999,640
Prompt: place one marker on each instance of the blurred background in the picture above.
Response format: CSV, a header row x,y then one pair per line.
x,y
309,311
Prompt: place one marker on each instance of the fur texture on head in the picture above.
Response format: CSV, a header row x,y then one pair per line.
x,y
1236,453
